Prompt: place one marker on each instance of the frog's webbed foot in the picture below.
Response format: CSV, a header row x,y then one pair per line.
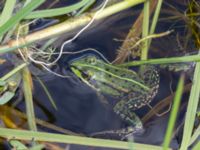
x,y
121,134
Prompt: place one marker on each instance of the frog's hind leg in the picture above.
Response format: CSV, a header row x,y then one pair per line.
x,y
131,118
120,134
124,111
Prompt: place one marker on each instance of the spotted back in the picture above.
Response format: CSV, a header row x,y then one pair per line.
x,y
150,76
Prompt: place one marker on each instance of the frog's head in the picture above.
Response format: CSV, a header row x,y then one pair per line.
x,y
85,66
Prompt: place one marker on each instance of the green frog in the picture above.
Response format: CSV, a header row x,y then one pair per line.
x,y
131,90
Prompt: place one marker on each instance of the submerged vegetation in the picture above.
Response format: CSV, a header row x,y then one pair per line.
x,y
33,55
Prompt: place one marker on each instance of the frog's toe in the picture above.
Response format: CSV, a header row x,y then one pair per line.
x,y
120,134
132,131
135,130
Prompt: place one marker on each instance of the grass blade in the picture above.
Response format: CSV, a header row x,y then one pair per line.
x,y
7,11
14,71
191,109
173,114
27,88
56,11
67,26
69,139
90,3
169,60
7,96
19,16
47,93
17,144
195,135
145,30
197,146
155,18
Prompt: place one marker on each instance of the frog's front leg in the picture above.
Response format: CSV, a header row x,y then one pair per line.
x,y
123,110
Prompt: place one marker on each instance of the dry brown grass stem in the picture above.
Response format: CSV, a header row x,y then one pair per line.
x,y
134,33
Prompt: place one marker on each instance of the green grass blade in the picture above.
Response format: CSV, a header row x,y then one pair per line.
x,y
69,139
27,89
47,93
170,60
155,18
191,109
195,135
197,146
56,11
173,114
90,3
48,44
68,25
145,30
14,71
7,11
6,97
17,144
26,2
20,15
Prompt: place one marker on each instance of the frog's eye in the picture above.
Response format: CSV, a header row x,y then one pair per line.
x,y
92,60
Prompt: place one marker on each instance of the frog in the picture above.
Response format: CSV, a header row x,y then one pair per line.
x,y
132,90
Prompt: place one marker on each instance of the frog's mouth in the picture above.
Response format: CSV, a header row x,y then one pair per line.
x,y
80,74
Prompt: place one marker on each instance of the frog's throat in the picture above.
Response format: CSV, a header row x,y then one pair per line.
x,y
107,72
